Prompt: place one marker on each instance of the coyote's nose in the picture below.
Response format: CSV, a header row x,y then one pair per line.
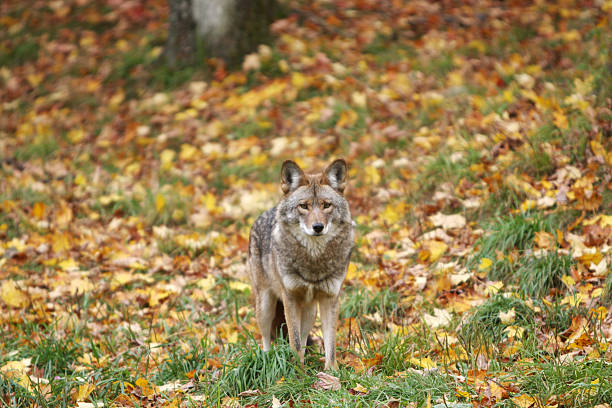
x,y
317,227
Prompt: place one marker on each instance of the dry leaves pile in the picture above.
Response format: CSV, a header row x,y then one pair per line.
x,y
125,204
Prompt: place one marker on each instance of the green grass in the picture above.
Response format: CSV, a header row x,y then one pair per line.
x,y
360,301
441,167
387,50
514,235
275,374
252,368
23,52
536,276
571,383
498,203
56,357
174,211
607,295
512,232
248,129
40,149
484,325
183,362
439,66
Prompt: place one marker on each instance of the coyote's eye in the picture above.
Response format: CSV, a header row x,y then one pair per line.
x,y
326,204
303,206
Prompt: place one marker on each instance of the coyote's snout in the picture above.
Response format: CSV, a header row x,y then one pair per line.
x,y
298,256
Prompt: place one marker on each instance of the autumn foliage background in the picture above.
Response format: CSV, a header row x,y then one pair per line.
x,y
478,137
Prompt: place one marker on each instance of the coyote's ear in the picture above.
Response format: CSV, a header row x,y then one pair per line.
x,y
335,175
292,176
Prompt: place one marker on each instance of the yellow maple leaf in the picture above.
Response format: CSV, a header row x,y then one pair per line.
x,y
524,401
496,390
206,283
188,152
462,393
351,272
544,240
507,317
598,149
514,332
573,299
300,80
210,202
485,264
425,362
80,286
173,403
12,295
347,119
147,389
600,313
393,213
82,392
121,278
64,216
560,120
493,287
569,281
116,99
17,370
68,265
156,295
372,176
604,220
435,249
239,286
38,211
160,202
166,158
528,205
76,135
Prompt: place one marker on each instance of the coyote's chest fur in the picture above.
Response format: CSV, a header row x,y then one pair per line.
x,y
312,263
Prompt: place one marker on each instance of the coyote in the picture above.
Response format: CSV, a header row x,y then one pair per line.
x,y
298,257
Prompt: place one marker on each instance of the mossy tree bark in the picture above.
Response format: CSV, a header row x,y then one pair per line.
x,y
180,47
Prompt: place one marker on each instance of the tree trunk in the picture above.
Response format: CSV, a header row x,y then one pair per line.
x,y
232,28
181,42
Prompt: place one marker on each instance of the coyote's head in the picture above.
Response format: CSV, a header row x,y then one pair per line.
x,y
315,202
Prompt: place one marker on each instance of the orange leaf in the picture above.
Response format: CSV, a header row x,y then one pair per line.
x,y
544,240
38,211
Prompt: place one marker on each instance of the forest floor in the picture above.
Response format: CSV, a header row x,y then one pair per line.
x,y
479,142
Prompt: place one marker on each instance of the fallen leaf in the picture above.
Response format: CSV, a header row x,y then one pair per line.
x,y
448,221
425,362
485,264
523,401
359,389
326,382
440,318
544,240
12,295
507,317
82,392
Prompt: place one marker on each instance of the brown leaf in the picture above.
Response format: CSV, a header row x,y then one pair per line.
x,y
544,240
326,382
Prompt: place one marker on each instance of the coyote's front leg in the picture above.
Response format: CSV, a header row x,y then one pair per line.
x,y
293,317
328,307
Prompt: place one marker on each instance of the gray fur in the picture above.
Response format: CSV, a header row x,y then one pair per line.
x,y
288,263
